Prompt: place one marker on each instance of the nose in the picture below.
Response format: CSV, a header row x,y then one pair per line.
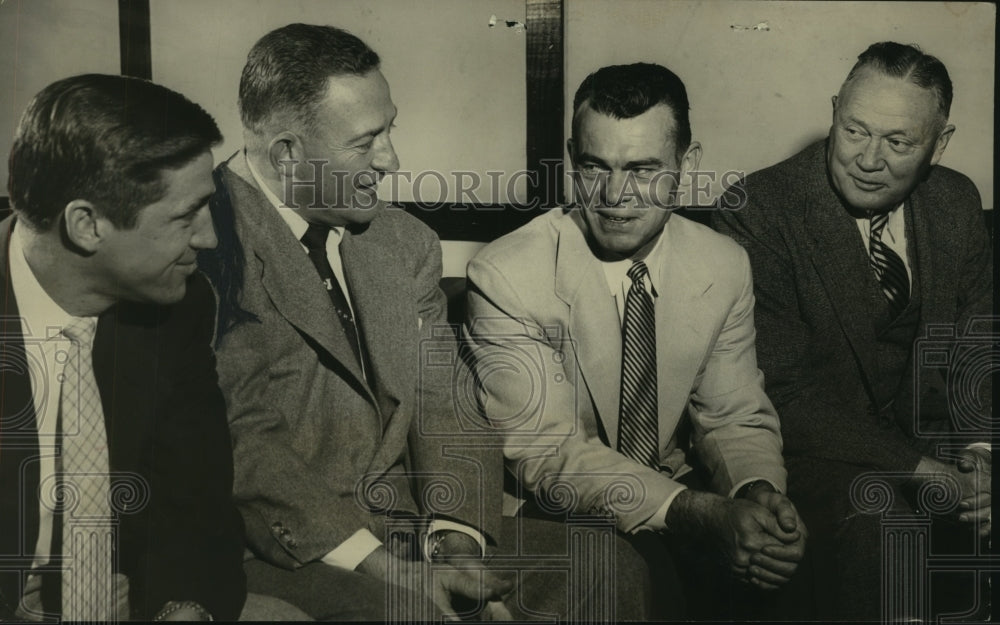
x,y
203,231
613,189
385,159
870,158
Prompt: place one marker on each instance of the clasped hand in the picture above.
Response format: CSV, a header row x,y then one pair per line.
x,y
763,537
974,472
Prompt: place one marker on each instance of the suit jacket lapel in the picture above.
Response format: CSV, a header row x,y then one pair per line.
x,y
286,272
925,251
838,255
593,320
679,308
386,327
19,469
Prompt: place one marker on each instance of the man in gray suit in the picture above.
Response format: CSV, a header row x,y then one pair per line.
x,y
860,245
353,464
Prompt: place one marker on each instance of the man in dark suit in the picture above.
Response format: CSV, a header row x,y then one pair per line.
x,y
861,244
346,437
115,460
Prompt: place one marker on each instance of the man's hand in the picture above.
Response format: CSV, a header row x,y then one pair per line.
x,y
976,463
973,473
740,527
448,581
775,564
463,551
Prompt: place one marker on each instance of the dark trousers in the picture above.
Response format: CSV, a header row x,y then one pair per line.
x,y
562,572
848,552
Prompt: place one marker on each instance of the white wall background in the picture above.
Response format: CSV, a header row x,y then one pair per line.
x,y
42,41
458,84
758,96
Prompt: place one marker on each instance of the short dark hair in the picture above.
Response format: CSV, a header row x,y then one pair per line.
x,y
288,68
626,91
105,139
908,61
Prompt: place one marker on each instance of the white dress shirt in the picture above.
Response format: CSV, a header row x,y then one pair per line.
x,y
350,553
46,348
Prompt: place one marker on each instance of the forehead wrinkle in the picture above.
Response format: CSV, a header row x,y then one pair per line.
x,y
888,105
622,141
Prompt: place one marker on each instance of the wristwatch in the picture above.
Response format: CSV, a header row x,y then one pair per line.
x,y
172,606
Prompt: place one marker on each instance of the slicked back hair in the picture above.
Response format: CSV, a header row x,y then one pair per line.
x,y
909,62
626,91
287,72
105,139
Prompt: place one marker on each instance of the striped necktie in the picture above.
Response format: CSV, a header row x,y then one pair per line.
x,y
888,266
88,592
637,421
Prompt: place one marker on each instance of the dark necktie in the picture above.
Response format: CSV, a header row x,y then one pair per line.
x,y
637,421
888,266
315,241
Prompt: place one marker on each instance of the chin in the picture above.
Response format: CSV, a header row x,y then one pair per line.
x,y
870,204
166,296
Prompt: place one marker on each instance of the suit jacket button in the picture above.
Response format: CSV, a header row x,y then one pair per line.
x,y
292,543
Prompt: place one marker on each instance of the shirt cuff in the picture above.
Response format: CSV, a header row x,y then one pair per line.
x,y
988,447
658,522
736,488
441,525
350,553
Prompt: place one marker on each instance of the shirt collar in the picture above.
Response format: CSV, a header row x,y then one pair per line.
x,y
295,222
36,307
616,272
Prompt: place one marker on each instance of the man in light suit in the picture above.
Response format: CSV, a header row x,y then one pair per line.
x,y
549,323
109,180
841,329
341,429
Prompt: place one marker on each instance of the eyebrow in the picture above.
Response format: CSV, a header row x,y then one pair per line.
x,y
592,159
376,131
197,204
645,162
898,131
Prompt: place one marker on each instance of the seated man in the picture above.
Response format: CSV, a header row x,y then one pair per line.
x,y
860,245
115,460
638,389
340,434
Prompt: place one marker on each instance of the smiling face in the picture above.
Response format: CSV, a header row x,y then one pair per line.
x,y
152,261
351,140
626,176
887,133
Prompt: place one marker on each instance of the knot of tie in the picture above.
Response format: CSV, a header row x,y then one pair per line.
x,y
315,237
637,272
81,330
877,225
